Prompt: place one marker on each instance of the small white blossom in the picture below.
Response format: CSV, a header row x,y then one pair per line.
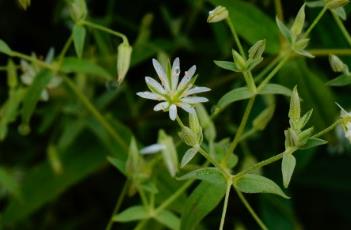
x,y
171,92
151,149
347,124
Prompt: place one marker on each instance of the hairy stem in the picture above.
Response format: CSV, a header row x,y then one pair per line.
x,y
236,37
105,29
225,205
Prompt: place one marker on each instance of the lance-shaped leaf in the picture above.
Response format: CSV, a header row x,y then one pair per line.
x,y
169,153
210,174
132,214
4,48
168,219
252,183
313,142
342,80
299,22
288,166
227,65
79,33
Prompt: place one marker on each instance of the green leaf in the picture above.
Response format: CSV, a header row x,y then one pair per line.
x,y
201,202
275,89
227,65
210,174
169,153
252,183
249,21
283,29
132,214
288,166
168,219
188,156
313,142
33,94
9,183
76,65
342,80
233,96
118,163
4,48
79,33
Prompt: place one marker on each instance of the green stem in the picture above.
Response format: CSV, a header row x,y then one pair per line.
x,y
236,37
141,224
105,29
268,68
212,161
241,128
32,59
328,129
225,205
265,162
65,49
327,52
315,21
118,204
175,196
180,123
98,116
250,209
143,198
273,72
342,27
250,81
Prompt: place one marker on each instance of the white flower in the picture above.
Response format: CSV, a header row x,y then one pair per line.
x,y
173,93
151,149
347,124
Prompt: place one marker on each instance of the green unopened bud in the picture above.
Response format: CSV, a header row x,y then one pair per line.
x,y
123,60
336,64
78,10
299,22
239,61
333,4
217,14
206,123
188,136
295,108
195,126
256,51
291,138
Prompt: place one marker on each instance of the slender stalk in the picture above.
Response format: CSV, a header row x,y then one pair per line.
x,y
118,204
65,49
236,37
279,9
180,123
250,209
212,161
141,224
105,29
273,72
265,162
250,81
327,52
225,205
328,129
143,198
175,196
98,116
342,28
32,59
315,21
241,128
268,68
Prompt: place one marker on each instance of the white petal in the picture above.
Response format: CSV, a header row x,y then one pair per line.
x,y
188,108
197,89
175,73
152,83
194,100
187,77
173,112
161,73
161,106
152,149
44,96
149,95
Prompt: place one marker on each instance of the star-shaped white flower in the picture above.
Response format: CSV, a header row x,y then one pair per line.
x,y
173,93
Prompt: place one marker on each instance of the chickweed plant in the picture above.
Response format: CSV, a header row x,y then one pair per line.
x,y
193,166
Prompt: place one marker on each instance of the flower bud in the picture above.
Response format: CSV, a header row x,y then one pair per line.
x,y
239,61
336,64
256,51
295,108
78,10
333,4
123,60
296,28
188,136
217,14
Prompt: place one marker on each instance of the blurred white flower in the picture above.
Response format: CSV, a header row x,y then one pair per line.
x,y
171,92
151,149
347,124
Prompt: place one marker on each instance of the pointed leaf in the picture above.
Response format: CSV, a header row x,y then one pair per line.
x,y
313,142
9,183
188,156
79,33
201,202
168,219
227,65
275,89
210,174
251,183
283,29
33,94
233,96
299,22
342,80
4,48
119,164
132,214
288,166
169,153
